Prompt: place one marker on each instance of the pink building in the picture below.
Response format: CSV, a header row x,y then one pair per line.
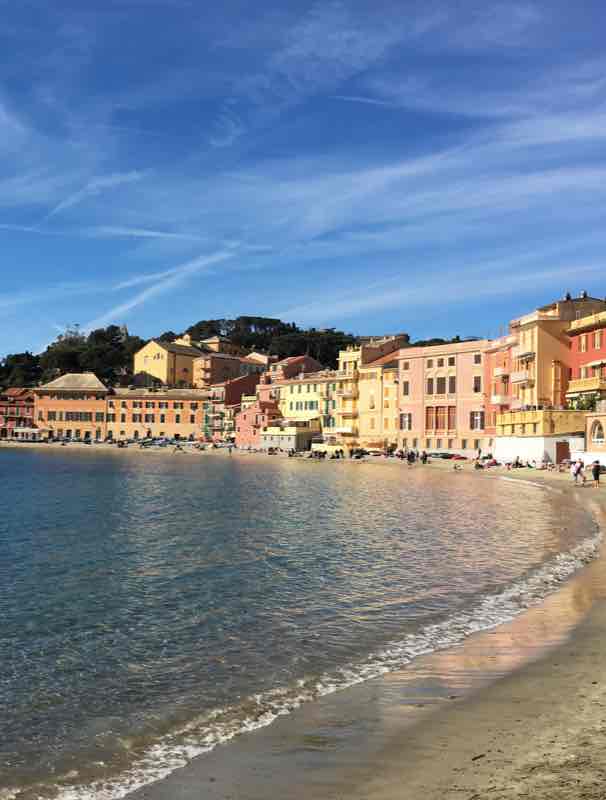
x,y
442,397
251,422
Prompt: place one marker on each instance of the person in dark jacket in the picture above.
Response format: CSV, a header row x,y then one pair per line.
x,y
595,474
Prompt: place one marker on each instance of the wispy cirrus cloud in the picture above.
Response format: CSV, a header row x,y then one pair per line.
x,y
94,187
166,281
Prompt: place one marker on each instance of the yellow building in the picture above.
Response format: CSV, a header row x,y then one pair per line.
x,y
378,411
542,358
165,364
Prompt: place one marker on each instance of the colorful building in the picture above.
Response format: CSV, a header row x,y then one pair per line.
x,y
223,404
169,364
17,414
538,425
441,398
140,413
286,435
72,407
595,435
252,421
587,384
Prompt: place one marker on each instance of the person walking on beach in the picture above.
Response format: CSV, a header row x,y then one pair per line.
x,y
595,474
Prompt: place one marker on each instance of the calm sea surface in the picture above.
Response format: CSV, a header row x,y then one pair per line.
x,y
154,605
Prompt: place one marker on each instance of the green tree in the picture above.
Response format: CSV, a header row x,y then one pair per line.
x,y
20,369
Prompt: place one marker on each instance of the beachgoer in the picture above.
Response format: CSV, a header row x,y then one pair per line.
x,y
595,474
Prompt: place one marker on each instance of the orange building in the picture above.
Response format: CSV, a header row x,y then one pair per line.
x,y
72,407
140,413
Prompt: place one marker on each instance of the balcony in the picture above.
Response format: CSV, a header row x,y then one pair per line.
x,y
594,384
343,430
521,376
522,354
499,372
499,399
348,394
348,414
545,422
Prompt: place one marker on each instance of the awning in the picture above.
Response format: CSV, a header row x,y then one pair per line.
x,y
597,363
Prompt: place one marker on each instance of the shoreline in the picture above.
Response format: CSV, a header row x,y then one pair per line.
x,y
243,769
521,725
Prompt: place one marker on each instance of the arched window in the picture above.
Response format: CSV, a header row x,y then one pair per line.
x,y
597,432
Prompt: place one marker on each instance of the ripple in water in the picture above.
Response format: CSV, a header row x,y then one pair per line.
x,y
153,607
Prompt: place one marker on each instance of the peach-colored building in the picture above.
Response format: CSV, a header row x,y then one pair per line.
x,y
252,421
140,413
72,407
441,398
223,404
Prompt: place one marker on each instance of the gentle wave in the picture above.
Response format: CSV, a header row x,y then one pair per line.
x,y
203,734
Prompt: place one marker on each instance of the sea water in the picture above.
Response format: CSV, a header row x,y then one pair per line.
x,y
153,605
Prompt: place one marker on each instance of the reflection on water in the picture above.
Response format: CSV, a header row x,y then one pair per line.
x,y
141,593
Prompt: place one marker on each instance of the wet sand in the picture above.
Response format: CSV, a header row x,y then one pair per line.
x,y
517,711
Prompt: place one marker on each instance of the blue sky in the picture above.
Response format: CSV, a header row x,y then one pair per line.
x,y
433,167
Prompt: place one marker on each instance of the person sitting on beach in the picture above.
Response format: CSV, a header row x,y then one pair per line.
x,y
595,474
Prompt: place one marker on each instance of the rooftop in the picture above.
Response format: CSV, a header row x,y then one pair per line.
x,y
80,382
180,349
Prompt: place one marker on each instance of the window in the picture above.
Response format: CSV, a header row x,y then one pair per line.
x,y
406,366
386,423
476,420
149,418
441,386
371,401
452,418
372,423
477,358
178,419
451,361
415,442
429,363
450,444
441,418
404,442
440,362
477,383
192,419
464,444
583,343
406,422
429,385
162,417
136,418
597,432
597,339
584,372
476,444
430,418
452,385
123,404
150,405
177,405
438,444
193,406
428,443
405,388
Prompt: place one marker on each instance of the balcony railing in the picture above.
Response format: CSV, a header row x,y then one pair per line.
x,y
499,399
593,384
348,414
347,394
499,372
523,354
522,376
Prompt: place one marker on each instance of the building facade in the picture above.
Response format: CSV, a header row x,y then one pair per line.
x,y
441,398
169,364
72,407
141,413
252,421
17,414
223,404
587,385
